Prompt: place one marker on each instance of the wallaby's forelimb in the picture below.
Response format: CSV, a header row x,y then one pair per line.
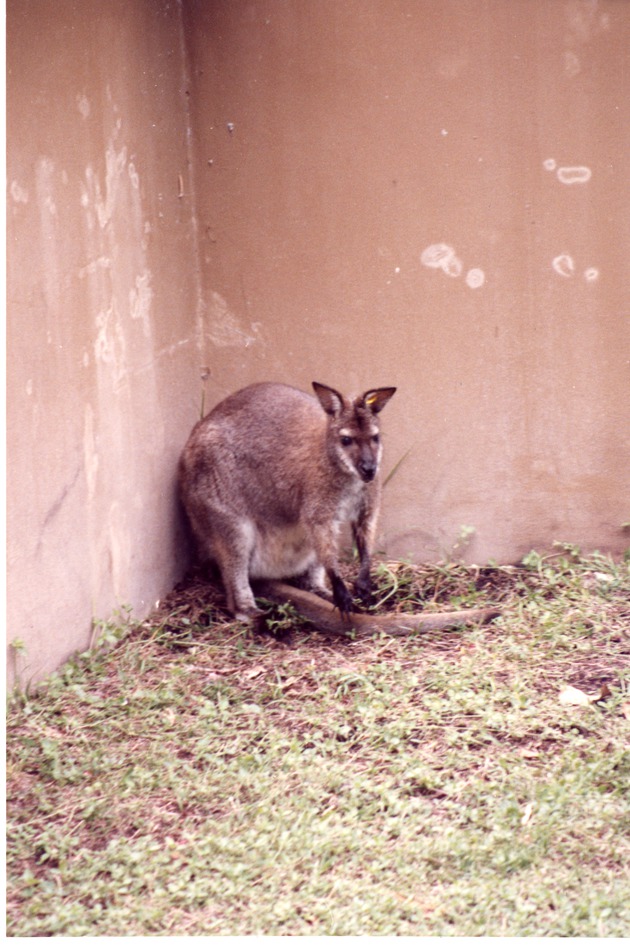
x,y
325,616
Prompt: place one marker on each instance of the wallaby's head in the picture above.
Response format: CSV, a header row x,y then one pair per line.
x,y
354,441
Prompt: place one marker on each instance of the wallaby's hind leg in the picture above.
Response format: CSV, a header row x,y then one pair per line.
x,y
233,551
230,545
240,599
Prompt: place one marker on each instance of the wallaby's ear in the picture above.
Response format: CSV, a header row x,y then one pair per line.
x,y
375,400
330,399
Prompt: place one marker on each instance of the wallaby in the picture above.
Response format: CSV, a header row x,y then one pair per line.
x,y
268,478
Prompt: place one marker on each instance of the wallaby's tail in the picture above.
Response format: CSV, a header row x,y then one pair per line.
x,y
325,616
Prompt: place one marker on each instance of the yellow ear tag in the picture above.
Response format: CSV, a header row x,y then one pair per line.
x,y
371,399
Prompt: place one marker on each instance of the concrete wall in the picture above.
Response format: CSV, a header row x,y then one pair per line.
x,y
103,338
202,194
362,134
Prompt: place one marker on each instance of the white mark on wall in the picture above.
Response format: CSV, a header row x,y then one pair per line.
x,y
133,175
45,170
18,194
584,22
573,175
29,387
90,454
579,174
452,266
109,346
83,104
115,163
140,298
112,206
225,329
442,256
572,64
475,278
49,242
437,255
103,262
564,265
387,281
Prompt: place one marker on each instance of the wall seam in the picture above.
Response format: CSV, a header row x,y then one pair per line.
x,y
191,179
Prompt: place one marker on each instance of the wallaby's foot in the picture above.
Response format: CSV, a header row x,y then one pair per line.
x,y
248,616
363,590
342,598
243,605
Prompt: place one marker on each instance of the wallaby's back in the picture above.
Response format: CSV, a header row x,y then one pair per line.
x,y
258,450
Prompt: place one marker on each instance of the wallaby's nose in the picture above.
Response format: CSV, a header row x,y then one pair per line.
x,y
367,469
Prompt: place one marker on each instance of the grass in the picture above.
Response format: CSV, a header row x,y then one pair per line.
x,y
198,778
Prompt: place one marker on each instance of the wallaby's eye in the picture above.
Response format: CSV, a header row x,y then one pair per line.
x,y
376,438
346,441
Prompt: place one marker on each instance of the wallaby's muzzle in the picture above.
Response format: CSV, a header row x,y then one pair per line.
x,y
367,470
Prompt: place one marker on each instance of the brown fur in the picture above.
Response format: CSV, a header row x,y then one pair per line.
x,y
268,478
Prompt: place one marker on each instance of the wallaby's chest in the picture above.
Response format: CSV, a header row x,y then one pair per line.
x,y
282,545
350,502
281,503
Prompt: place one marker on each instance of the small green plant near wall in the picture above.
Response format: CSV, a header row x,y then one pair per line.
x,y
464,539
107,633
190,777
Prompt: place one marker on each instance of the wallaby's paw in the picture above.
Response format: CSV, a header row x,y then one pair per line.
x,y
248,615
363,590
342,598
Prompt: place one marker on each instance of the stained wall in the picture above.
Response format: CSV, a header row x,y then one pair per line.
x,y
375,192
103,336
343,151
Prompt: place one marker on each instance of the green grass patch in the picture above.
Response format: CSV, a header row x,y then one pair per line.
x,y
198,778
